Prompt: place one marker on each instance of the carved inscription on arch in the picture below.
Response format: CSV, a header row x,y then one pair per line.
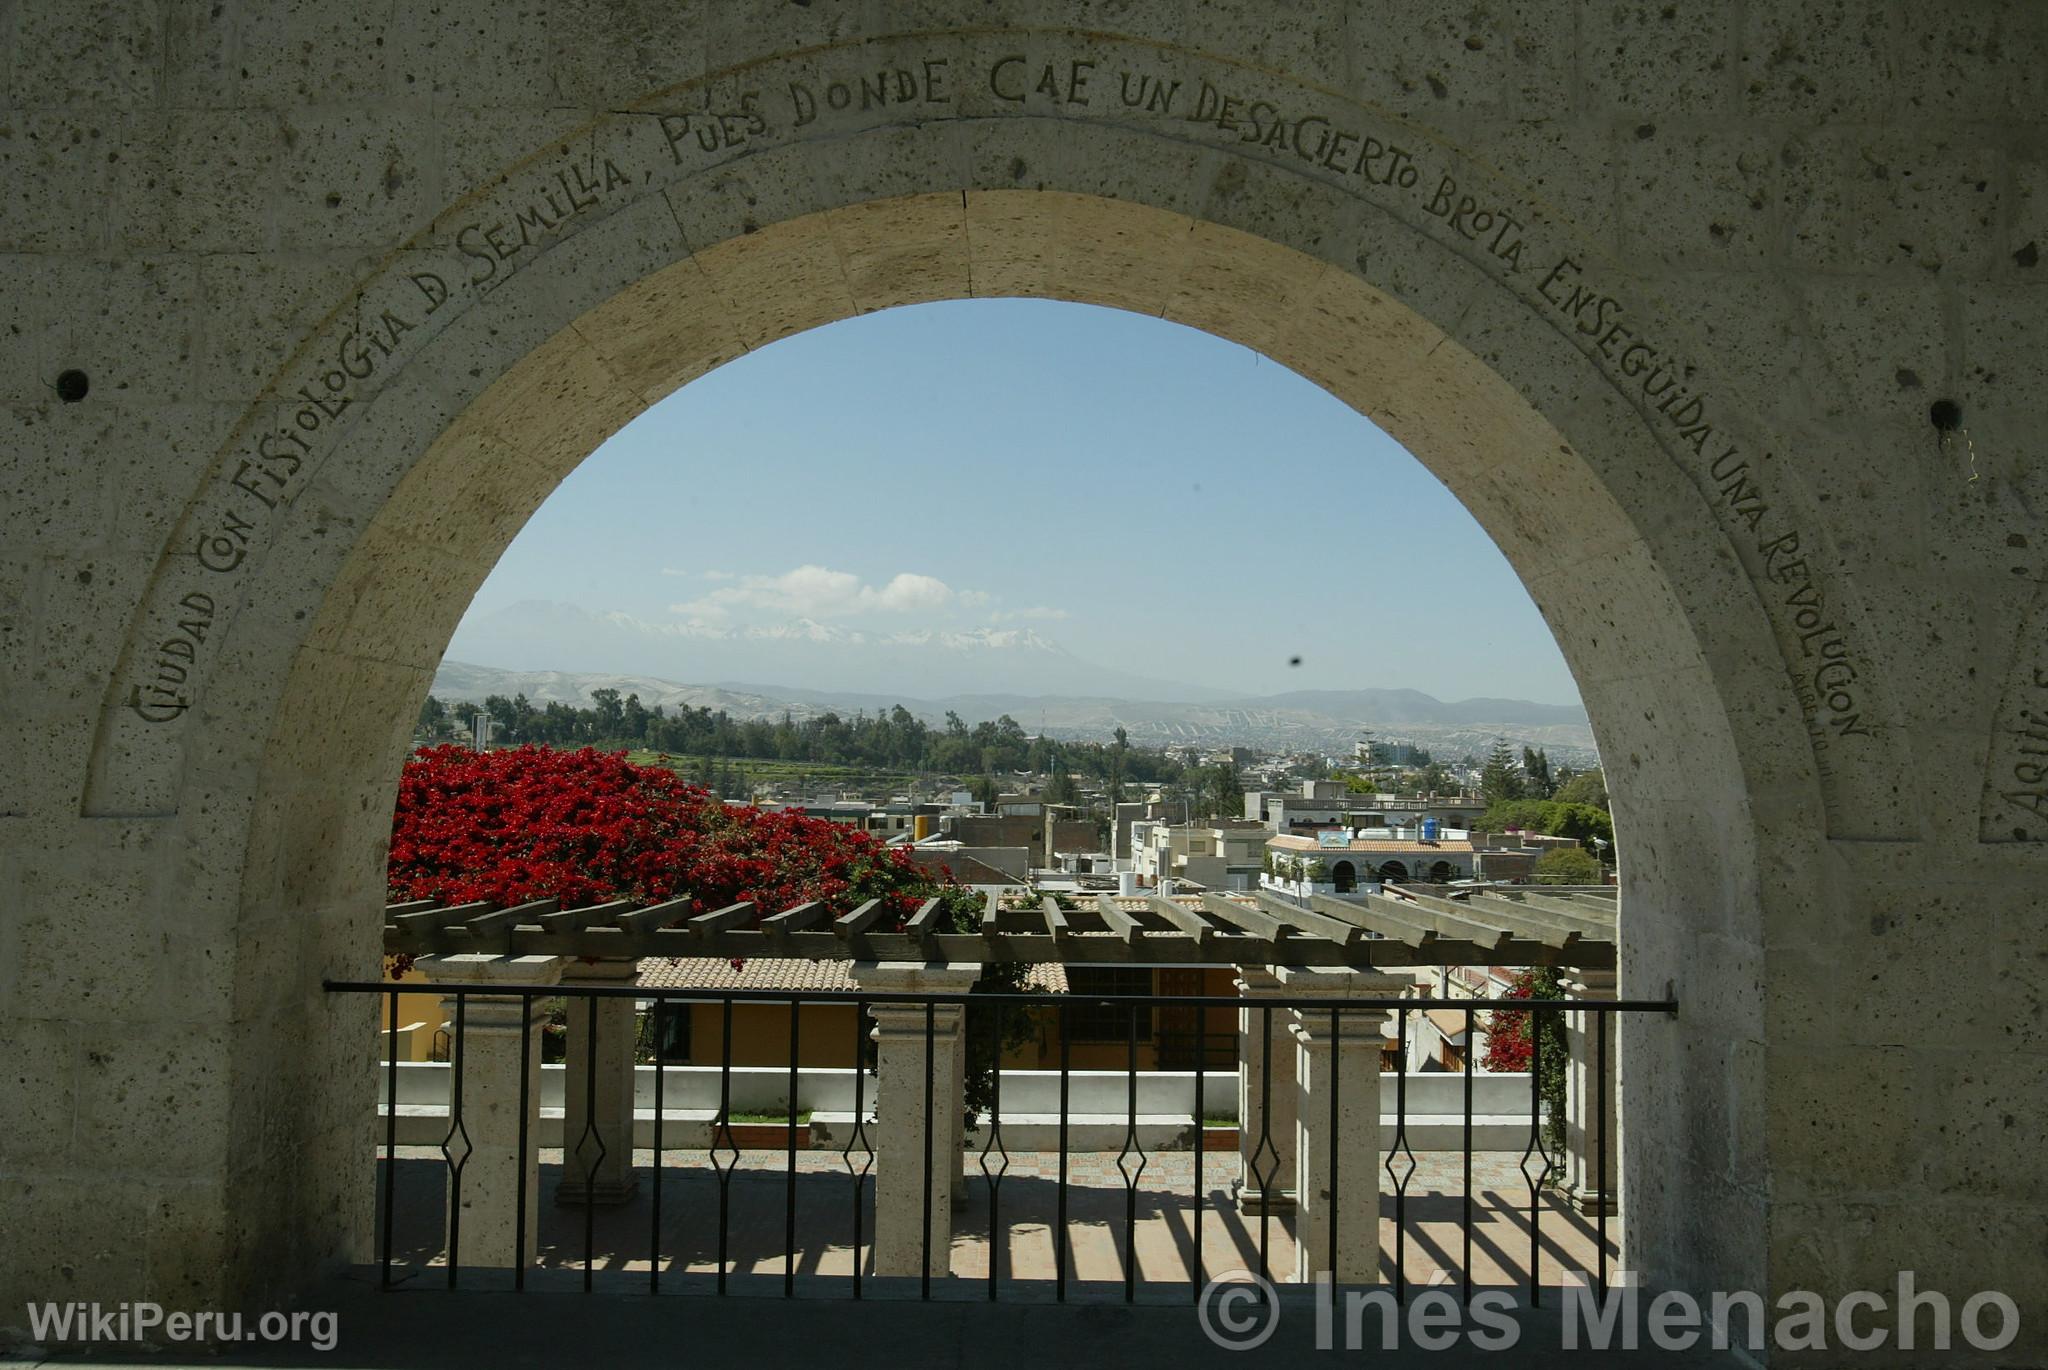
x,y
477,247
2015,807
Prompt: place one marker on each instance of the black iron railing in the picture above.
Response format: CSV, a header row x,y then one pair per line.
x,y
1261,1155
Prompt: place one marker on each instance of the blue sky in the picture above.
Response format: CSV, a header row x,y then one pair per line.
x,y
1149,497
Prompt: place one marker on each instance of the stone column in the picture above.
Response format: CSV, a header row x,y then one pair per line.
x,y
1265,1112
901,1132
485,1055
597,1122
1585,1073
1347,1061
959,1113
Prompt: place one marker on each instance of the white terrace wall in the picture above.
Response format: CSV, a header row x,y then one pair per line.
x,y
308,307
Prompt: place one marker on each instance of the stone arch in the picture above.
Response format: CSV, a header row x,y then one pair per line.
x,y
287,624
1393,871
1344,876
336,636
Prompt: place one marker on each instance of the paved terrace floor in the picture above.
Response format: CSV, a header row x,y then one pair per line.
x,y
553,1324
1097,1211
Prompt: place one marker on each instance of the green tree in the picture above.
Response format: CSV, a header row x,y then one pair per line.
x,y
1566,866
611,714
1528,815
1581,821
1587,787
1431,779
1501,779
1117,757
1224,790
433,718
504,726
1060,789
1536,770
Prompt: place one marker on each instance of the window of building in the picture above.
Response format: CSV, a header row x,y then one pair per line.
x,y
1099,1022
670,1043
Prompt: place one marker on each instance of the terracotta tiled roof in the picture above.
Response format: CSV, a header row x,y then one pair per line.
x,y
783,972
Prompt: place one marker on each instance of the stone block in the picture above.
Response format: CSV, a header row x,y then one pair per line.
x,y
1969,64
1641,57
161,1101
1440,62
1819,60
38,1091
355,179
445,55
311,54
221,179
1697,198
1866,200
66,168
604,51
74,52
71,1238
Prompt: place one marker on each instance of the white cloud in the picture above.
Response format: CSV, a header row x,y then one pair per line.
x,y
1039,612
818,592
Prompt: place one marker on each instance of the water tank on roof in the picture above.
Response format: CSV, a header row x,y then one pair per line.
x,y
1430,827
1127,883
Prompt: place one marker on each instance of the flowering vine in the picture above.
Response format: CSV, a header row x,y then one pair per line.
x,y
587,826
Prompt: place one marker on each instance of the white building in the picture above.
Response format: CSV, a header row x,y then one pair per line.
x,y
1223,854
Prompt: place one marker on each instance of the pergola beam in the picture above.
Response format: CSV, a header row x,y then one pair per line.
x,y
921,929
653,916
858,921
794,920
1411,924
1116,920
1570,905
1305,920
1055,917
484,924
1512,913
1551,929
1190,923
1241,934
1255,922
720,920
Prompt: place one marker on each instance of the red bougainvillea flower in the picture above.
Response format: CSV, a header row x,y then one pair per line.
x,y
588,826
1508,1050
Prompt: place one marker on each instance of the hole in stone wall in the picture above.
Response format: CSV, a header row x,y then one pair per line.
x,y
72,386
1946,415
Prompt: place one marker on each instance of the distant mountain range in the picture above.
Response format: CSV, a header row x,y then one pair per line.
x,y
878,663
1320,720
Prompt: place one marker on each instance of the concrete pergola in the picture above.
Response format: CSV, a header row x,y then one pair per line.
x,y
1332,949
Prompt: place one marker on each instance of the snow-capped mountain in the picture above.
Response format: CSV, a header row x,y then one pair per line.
x,y
924,663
